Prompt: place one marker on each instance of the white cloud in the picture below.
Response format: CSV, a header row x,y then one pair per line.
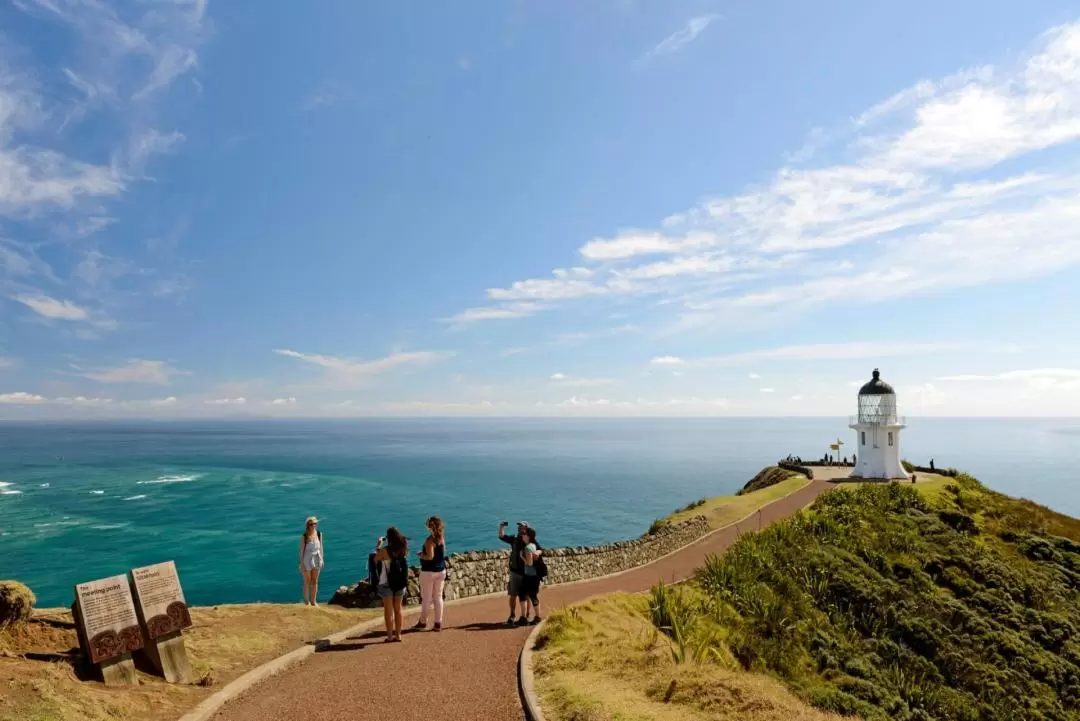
x,y
754,376
1039,379
667,360
768,390
501,312
164,402
345,368
52,308
22,398
226,402
682,37
135,370
290,401
828,351
564,381
941,187
328,94
84,402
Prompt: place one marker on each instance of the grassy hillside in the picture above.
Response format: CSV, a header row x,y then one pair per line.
x,y
767,477
722,510
884,602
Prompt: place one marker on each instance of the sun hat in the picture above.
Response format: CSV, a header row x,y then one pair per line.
x,y
311,519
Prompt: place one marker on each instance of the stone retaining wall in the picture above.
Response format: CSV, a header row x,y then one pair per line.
x,y
479,572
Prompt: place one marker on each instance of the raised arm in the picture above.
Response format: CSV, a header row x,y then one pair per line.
x,y
502,534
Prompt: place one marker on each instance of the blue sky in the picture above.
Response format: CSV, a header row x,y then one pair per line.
x,y
537,208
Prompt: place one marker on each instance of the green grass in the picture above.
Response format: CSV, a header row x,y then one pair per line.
x,y
723,510
941,600
605,660
890,603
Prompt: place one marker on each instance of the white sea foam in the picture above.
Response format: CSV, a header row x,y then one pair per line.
x,y
135,498
5,484
44,485
110,526
98,493
42,525
6,492
170,479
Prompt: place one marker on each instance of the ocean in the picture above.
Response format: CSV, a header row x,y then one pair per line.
x,y
227,500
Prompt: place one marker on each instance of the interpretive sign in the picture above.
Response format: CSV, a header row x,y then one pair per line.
x,y
160,599
163,612
107,616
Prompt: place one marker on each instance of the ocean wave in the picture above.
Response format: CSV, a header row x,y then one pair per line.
x,y
135,498
5,484
44,485
170,479
6,492
98,493
42,525
110,526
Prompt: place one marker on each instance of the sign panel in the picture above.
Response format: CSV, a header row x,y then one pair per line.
x,y
108,617
160,599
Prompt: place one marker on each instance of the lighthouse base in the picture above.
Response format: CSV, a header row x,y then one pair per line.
x,y
878,454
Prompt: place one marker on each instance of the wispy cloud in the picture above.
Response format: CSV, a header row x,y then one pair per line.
x,y
828,351
226,401
6,363
135,370
565,381
328,94
667,360
1035,378
934,188
52,308
680,38
347,370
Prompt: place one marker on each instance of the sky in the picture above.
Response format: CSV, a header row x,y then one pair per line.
x,y
525,208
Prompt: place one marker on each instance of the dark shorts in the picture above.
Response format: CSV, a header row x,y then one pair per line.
x,y
387,592
529,588
513,587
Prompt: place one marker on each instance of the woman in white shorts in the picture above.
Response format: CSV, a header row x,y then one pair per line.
x,y
312,559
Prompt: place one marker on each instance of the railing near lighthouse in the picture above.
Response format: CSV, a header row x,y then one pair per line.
x,y
878,419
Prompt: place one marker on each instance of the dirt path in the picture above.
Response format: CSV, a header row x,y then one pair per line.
x,y
469,670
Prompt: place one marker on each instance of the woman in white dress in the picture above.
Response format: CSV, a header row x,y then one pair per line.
x,y
312,559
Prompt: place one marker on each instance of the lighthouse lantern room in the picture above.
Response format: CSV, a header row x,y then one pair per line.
x,y
877,432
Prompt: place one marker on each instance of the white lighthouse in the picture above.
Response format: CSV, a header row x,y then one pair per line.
x,y
877,430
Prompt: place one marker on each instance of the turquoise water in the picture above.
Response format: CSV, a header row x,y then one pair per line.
x,y
227,501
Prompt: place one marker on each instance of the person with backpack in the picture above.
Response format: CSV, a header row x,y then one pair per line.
x,y
432,573
534,571
517,566
312,559
392,579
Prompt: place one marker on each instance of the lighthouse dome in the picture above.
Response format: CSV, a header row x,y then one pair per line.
x,y
876,387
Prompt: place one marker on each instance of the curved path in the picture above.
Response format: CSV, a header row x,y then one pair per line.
x,y
468,671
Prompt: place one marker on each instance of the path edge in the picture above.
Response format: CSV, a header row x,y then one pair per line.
x,y
530,702
213,703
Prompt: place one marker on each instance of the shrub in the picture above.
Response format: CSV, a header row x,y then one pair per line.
x,y
16,603
658,525
880,603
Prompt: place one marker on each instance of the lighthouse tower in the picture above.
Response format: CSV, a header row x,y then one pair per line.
x,y
877,432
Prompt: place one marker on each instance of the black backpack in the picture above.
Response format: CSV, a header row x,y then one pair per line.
x,y
541,568
397,575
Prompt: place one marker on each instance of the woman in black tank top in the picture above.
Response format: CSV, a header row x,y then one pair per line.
x,y
433,573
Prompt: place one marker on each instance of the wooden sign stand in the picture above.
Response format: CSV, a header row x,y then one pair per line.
x,y
117,671
108,628
168,656
163,614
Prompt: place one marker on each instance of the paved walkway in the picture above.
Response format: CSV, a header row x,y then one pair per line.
x,y
469,670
